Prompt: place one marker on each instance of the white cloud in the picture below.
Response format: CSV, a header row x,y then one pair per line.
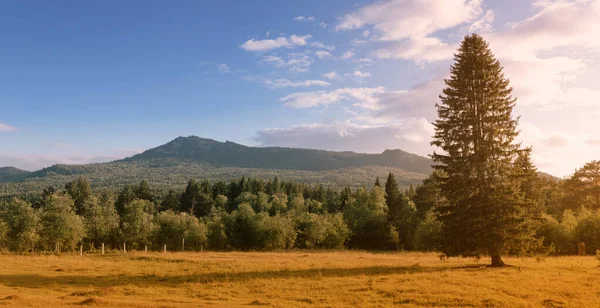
x,y
323,25
484,23
295,62
286,83
425,49
347,55
223,68
547,55
557,24
280,42
360,96
303,18
408,26
360,74
298,62
7,128
322,46
331,75
401,19
557,152
321,54
299,40
411,135
276,61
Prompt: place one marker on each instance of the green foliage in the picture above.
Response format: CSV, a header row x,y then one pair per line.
x,y
175,174
279,232
21,225
217,229
588,231
245,228
173,227
101,221
253,214
328,231
366,215
60,228
81,192
428,196
137,223
583,188
557,235
428,234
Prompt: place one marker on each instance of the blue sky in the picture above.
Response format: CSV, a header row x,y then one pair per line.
x,y
87,81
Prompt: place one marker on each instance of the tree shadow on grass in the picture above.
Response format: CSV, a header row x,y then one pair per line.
x,y
40,281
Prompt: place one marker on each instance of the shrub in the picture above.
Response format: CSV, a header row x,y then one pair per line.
x,y
428,235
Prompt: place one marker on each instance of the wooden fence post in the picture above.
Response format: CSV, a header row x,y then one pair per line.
x,y
165,248
183,244
124,249
81,250
146,249
102,248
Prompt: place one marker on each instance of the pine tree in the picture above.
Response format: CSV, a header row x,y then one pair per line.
x,y
391,190
475,131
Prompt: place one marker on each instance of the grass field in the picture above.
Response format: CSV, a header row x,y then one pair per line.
x,y
294,279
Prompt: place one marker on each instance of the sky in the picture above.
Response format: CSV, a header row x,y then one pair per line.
x,y
94,81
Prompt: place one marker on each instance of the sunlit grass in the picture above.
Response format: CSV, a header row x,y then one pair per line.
x,y
294,279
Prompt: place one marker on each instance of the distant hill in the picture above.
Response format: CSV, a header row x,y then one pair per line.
x,y
174,163
11,173
236,155
545,175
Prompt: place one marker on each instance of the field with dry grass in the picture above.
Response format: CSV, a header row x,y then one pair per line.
x,y
294,279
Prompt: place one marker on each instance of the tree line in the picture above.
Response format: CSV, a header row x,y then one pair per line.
x,y
253,214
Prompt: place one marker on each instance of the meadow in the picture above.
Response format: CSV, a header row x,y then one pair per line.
x,y
294,279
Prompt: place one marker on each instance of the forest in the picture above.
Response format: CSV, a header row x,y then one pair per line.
x,y
258,215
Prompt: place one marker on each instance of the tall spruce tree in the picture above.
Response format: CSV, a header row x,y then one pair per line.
x,y
475,130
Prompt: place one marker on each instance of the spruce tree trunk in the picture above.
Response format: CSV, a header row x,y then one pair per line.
x,y
496,259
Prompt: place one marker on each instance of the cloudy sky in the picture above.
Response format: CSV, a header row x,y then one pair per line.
x,y
95,81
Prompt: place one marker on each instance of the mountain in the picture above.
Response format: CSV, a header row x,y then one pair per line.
x,y
11,173
236,155
174,163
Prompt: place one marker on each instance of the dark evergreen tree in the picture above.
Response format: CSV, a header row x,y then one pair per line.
x,y
393,199
428,196
188,199
144,192
475,131
126,196
80,191
170,201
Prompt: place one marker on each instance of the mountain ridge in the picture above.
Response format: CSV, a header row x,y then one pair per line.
x,y
175,162
233,154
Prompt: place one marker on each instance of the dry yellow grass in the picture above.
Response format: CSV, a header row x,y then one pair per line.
x,y
294,279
